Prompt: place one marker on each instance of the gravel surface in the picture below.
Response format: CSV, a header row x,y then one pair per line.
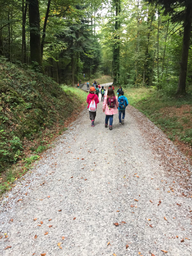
x,y
101,192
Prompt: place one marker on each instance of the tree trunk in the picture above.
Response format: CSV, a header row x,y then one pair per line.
x,y
44,27
158,85
34,23
73,69
24,14
147,68
116,50
185,51
1,42
164,52
9,37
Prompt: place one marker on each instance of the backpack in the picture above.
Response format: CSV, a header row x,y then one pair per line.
x,y
92,106
102,91
122,103
111,102
97,90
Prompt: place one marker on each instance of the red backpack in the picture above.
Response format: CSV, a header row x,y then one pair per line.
x,y
111,102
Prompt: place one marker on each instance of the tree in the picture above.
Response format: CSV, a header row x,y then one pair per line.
x,y
116,49
34,23
185,15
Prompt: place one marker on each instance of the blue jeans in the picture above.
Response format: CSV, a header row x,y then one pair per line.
x,y
110,118
121,114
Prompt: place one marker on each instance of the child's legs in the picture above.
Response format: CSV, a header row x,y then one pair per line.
x,y
92,115
123,112
119,116
111,120
106,119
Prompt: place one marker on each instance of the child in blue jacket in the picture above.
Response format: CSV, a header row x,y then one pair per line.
x,y
123,103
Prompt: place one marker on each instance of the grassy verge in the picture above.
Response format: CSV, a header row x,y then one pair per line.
x,y
173,115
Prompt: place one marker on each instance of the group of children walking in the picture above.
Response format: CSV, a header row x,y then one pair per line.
x,y
111,105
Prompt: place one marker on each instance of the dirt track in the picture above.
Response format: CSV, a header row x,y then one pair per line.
x,y
101,192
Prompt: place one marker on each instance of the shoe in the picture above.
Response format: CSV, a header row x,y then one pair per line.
x,y
122,121
92,123
110,127
106,125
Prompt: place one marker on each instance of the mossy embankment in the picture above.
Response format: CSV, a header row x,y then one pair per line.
x,y
33,111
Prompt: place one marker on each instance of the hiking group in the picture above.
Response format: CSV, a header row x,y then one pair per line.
x,y
111,104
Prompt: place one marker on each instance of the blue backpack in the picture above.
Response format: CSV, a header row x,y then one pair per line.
x,y
122,103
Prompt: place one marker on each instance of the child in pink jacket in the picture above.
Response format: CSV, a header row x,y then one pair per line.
x,y
110,106
92,100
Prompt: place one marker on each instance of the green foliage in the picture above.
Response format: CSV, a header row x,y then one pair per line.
x,y
30,103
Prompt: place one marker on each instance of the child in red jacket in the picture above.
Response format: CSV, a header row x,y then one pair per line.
x,y
92,100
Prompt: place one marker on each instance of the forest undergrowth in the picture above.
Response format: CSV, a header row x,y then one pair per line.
x,y
173,115
34,110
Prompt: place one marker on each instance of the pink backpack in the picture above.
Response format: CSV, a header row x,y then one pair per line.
x,y
111,102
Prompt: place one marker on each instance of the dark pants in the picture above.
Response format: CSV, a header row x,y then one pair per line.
x,y
92,115
121,114
109,118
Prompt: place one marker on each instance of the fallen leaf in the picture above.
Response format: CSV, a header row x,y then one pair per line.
x,y
6,236
48,197
132,205
116,224
127,246
11,220
50,226
152,254
164,251
108,243
39,225
46,233
59,210
63,238
182,240
117,210
114,254
165,218
150,201
149,219
19,200
123,222
74,218
35,236
35,219
9,246
43,254
176,236
41,222
151,226
136,200
159,202
50,219
59,244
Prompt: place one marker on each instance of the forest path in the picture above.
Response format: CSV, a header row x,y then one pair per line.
x,y
101,192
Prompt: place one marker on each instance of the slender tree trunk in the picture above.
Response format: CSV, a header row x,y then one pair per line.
x,y
34,23
24,14
9,37
1,42
158,85
44,27
185,51
164,52
116,50
147,68
73,69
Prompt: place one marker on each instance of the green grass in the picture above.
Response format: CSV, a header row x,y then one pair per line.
x,y
153,103
78,92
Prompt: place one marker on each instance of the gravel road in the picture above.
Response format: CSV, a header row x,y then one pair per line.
x,y
100,192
